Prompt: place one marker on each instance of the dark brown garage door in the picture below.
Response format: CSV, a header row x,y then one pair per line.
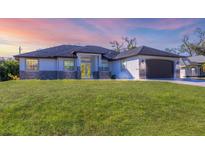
x,y
159,68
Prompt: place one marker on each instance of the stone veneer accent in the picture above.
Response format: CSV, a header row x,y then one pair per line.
x,y
29,75
104,75
52,75
78,73
96,75
47,75
67,75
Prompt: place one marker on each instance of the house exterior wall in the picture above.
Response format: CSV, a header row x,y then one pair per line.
x,y
54,68
115,68
136,67
48,69
175,61
104,74
202,72
131,71
60,63
96,67
177,69
22,64
133,67
66,74
142,68
24,74
46,64
190,71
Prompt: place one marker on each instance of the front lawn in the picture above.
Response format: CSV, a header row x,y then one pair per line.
x,y
74,107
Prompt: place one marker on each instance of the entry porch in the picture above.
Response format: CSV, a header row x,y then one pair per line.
x,y
89,66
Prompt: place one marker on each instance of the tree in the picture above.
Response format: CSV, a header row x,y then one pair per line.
x,y
173,50
193,44
128,44
116,45
131,43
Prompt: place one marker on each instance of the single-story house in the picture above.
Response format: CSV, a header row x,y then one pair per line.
x,y
94,62
192,66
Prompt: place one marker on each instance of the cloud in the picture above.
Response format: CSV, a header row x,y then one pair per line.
x,y
40,33
166,24
50,31
123,24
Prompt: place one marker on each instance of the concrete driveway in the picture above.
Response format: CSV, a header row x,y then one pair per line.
x,y
193,82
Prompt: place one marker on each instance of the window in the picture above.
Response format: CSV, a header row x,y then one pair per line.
x,y
123,64
69,64
203,68
32,64
193,69
105,65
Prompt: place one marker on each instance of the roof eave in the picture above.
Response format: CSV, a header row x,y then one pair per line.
x,y
161,55
53,57
146,55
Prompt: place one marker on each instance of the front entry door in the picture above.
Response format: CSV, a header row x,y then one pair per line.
x,y
85,71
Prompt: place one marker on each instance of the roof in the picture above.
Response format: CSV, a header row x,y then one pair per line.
x,y
144,50
71,50
52,52
68,51
195,60
107,53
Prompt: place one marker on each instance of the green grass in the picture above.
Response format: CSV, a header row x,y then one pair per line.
x,y
72,107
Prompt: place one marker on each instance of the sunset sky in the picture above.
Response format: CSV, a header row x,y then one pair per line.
x,y
32,34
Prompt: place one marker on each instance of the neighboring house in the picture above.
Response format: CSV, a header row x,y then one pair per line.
x,y
94,62
5,58
192,66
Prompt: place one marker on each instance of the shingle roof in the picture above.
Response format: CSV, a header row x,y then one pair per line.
x,y
195,60
57,51
107,53
144,50
68,51
71,50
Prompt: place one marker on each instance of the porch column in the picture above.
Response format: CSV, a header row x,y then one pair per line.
x,y
78,71
176,69
99,66
99,62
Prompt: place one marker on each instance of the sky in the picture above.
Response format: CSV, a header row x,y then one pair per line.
x,y
32,34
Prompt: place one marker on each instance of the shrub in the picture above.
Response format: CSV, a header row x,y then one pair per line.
x,y
113,77
13,77
9,70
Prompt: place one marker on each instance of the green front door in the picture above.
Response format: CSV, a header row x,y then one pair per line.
x,y
85,71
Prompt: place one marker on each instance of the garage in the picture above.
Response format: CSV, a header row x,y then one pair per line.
x,y
156,68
